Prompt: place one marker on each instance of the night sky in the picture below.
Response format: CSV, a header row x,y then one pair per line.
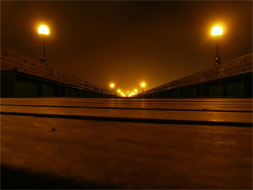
x,y
128,42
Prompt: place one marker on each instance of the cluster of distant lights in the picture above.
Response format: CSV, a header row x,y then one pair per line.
x,y
127,93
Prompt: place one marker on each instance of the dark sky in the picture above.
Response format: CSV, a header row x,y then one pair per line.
x,y
127,42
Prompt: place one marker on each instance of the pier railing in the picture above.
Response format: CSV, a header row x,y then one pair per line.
x,y
11,60
230,68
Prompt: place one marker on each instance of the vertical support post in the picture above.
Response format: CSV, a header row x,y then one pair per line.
x,y
44,47
43,58
217,58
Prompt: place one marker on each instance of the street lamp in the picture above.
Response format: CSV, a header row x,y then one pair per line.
x,y
143,84
112,86
43,31
217,31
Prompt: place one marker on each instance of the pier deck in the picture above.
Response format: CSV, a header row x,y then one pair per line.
x,y
126,143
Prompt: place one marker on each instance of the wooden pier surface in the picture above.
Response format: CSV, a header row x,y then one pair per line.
x,y
126,143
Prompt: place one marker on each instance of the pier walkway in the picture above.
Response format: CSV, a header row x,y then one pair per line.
x,y
126,143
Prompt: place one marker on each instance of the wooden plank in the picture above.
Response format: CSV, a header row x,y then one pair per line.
x,y
125,155
190,104
237,117
44,152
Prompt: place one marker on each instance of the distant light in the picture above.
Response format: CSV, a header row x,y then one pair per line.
x,y
135,90
43,29
118,90
143,84
112,85
122,93
217,31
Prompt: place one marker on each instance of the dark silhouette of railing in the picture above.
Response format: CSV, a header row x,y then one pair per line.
x,y
230,68
11,60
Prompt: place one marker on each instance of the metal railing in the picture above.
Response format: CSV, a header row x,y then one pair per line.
x,y
11,60
230,68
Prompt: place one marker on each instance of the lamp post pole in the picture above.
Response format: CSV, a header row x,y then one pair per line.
x,y
43,58
112,85
217,32
43,30
217,58
143,84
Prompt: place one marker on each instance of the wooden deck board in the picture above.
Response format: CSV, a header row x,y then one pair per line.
x,y
127,154
137,114
197,104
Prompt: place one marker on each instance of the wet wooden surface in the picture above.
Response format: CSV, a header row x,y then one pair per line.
x,y
97,153
227,104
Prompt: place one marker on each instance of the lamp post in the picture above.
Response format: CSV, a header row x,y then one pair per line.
x,y
217,31
112,86
43,31
143,84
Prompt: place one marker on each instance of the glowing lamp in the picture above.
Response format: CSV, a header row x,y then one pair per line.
x,y
143,84
217,31
43,29
112,85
